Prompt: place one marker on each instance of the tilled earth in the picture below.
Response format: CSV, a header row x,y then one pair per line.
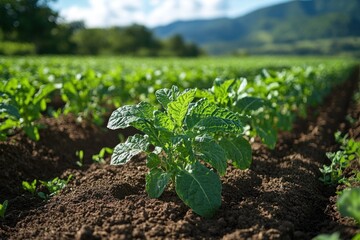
x,y
279,197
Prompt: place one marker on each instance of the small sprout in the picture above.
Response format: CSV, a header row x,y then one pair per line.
x,y
3,208
53,187
30,187
80,155
333,174
100,157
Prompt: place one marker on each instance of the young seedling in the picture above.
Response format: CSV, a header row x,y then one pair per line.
x,y
100,157
188,136
3,208
53,186
334,173
80,155
30,187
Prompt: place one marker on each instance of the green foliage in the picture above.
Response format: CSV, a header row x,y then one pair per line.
x,y
334,236
28,21
185,134
30,186
52,186
15,48
231,94
90,88
340,160
100,157
134,40
349,203
3,208
9,115
22,104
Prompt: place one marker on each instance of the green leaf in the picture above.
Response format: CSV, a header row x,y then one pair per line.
x,y
134,145
242,86
165,95
203,109
153,160
32,132
156,182
3,208
163,121
9,109
178,108
238,150
217,124
200,93
333,236
221,91
145,110
124,116
249,104
31,187
43,92
199,188
209,151
267,134
182,145
349,203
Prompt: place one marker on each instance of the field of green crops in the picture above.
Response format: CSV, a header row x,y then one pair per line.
x,y
91,88
193,116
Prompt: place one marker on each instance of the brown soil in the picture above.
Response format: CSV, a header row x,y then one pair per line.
x,y
279,197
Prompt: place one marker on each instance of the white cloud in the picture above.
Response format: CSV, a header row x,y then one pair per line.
x,y
103,13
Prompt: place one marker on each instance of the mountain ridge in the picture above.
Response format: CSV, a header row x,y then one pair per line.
x,y
283,23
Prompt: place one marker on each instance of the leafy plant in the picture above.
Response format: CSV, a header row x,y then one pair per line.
x,y
340,160
25,102
189,136
9,115
53,186
3,208
231,94
99,158
30,187
349,203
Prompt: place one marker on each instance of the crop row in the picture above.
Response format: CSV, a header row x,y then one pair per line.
x,y
91,89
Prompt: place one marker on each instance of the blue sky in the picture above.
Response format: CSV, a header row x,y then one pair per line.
x,y
105,13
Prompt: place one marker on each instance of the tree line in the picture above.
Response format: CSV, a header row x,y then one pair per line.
x,y
33,27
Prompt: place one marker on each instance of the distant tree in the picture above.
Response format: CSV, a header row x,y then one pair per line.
x,y
176,46
61,42
132,40
92,41
28,21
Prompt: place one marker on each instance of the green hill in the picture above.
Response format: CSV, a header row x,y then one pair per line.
x,y
302,27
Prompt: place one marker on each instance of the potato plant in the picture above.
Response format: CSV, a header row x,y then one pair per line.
x,y
256,112
187,143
